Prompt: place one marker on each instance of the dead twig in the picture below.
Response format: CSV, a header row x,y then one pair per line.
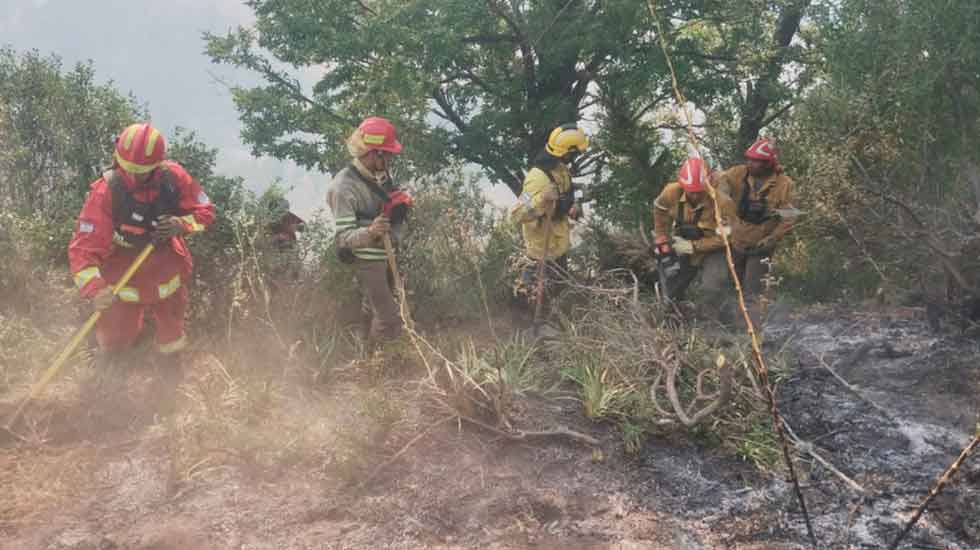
x,y
807,447
690,416
857,391
521,435
381,467
943,480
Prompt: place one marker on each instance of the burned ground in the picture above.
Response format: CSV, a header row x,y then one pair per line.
x,y
305,473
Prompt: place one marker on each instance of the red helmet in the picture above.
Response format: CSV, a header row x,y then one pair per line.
x,y
762,149
379,133
693,175
140,148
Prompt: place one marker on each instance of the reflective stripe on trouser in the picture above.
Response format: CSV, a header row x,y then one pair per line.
x,y
121,324
372,277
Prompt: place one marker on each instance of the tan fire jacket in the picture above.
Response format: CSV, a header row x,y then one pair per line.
x,y
777,190
354,206
672,201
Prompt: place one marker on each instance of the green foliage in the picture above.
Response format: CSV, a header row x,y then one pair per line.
x,y
883,150
602,392
57,132
455,254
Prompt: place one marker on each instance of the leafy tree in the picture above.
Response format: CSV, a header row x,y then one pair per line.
x,y
484,82
886,142
58,130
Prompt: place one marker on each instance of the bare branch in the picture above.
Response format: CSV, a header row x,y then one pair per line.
x,y
690,416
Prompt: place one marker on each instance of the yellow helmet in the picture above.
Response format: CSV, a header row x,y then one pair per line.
x,y
565,139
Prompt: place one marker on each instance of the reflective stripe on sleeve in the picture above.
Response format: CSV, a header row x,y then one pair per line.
x,y
370,253
346,222
128,294
86,275
168,288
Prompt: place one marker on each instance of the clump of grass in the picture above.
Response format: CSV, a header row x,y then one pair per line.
x,y
615,348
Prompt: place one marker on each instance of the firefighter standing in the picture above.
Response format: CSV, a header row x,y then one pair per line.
x,y
687,236
366,209
141,199
545,206
759,189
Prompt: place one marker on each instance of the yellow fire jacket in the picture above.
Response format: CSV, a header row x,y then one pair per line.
x,y
535,203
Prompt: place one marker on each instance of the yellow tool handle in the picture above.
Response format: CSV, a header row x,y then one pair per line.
x,y
77,338
390,252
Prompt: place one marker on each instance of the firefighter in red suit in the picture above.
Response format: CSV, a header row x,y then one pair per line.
x,y
142,199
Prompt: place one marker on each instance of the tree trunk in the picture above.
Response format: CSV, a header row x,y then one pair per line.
x,y
755,111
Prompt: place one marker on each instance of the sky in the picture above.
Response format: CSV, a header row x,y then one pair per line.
x,y
155,51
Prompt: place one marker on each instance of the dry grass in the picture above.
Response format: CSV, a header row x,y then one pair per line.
x,y
616,347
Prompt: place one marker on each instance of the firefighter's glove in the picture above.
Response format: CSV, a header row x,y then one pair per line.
x,y
379,227
764,247
103,299
168,227
683,246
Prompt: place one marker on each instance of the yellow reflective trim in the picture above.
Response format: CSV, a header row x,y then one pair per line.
x,y
119,240
173,347
129,136
192,222
128,294
151,141
134,168
370,254
169,287
374,139
83,277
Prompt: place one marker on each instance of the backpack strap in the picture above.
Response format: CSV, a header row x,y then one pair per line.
x,y
679,219
743,203
371,184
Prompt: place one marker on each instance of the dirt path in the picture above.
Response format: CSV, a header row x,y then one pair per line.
x,y
460,489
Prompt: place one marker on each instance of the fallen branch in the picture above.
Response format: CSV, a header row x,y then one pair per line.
x,y
521,435
943,480
857,391
690,416
374,473
808,448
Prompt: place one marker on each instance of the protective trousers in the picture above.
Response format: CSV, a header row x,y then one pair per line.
x,y
714,278
751,270
379,301
526,288
121,324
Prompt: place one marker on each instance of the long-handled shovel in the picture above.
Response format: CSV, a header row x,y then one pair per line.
x,y
62,357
